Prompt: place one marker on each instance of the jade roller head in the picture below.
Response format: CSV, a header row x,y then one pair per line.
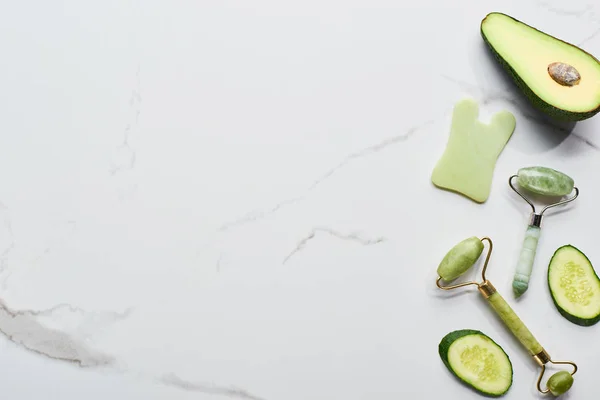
x,y
457,262
545,182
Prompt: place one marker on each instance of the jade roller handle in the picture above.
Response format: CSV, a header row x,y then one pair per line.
x,y
527,257
510,318
558,383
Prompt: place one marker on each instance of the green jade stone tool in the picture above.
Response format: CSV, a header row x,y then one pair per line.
x,y
545,182
458,261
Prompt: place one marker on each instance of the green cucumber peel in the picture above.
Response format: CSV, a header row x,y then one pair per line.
x,y
497,375
580,303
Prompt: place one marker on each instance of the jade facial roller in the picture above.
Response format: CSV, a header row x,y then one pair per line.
x,y
546,182
456,262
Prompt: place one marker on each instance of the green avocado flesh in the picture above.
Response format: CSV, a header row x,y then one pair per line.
x,y
526,54
477,361
574,286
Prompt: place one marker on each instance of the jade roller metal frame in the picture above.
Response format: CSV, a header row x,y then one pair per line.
x,y
457,262
532,236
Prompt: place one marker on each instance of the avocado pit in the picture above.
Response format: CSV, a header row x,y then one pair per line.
x,y
564,74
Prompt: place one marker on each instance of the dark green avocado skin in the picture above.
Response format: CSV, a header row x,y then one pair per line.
x,y
569,317
554,112
450,338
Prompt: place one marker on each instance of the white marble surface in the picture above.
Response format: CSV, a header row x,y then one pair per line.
x,y
232,199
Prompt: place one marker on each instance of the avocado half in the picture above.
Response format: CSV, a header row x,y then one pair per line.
x,y
559,78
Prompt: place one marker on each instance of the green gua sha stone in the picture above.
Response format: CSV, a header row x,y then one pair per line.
x,y
545,181
467,165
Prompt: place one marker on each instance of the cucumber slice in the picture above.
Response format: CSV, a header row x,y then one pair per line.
x,y
574,286
477,361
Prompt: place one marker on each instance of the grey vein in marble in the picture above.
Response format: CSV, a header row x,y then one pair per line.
x,y
125,157
69,229
587,10
175,381
24,328
585,141
589,38
489,95
10,245
219,262
257,215
367,151
566,12
4,256
354,237
69,308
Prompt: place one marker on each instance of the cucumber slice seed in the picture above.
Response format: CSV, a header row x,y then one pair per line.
x,y
477,361
574,286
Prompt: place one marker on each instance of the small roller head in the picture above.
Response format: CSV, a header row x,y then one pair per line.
x,y
460,258
560,383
